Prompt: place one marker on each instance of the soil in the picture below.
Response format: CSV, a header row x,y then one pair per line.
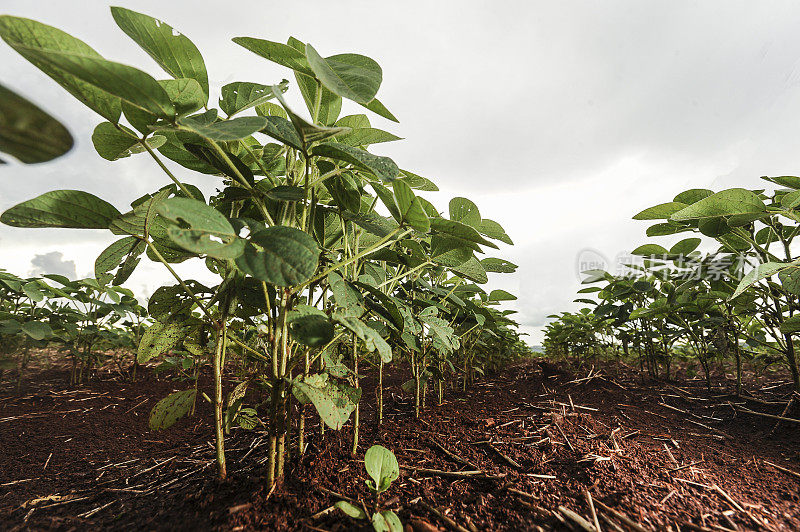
x,y
657,455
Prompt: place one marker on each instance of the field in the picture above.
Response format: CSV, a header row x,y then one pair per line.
x,y
543,435
330,349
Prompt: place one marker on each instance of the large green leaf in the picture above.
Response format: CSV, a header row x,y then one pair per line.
x,y
460,231
352,76
410,208
241,95
378,108
208,232
334,401
386,521
731,202
650,250
280,53
62,208
383,168
282,130
382,467
493,230
491,264
465,211
171,408
310,326
173,52
115,141
27,132
25,35
791,324
501,295
762,271
37,330
372,339
660,212
130,84
114,254
159,338
233,129
280,255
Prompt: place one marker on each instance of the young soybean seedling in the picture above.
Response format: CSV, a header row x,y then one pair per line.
x,y
381,465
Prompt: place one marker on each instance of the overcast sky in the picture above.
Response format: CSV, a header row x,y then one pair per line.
x,y
559,119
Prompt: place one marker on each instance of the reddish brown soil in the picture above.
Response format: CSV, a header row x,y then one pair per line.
x,y
83,459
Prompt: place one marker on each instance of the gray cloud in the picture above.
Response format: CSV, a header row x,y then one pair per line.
x,y
53,262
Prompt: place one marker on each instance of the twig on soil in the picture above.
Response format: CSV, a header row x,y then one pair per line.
x,y
577,520
569,444
449,522
779,468
508,459
593,512
770,416
454,457
477,474
622,517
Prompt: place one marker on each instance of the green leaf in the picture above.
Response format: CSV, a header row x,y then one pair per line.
x,y
280,255
372,339
382,467
731,202
62,208
159,338
282,130
125,82
366,136
660,212
334,401
112,143
276,52
113,255
418,182
789,325
348,299
186,95
501,295
790,279
383,168
24,35
350,509
37,330
460,231
173,303
685,246
386,521
378,108
494,230
173,52
137,222
650,250
171,408
208,233
762,271
352,76
465,211
28,133
310,326
226,130
32,290
692,195
241,95
410,208
491,264
471,269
